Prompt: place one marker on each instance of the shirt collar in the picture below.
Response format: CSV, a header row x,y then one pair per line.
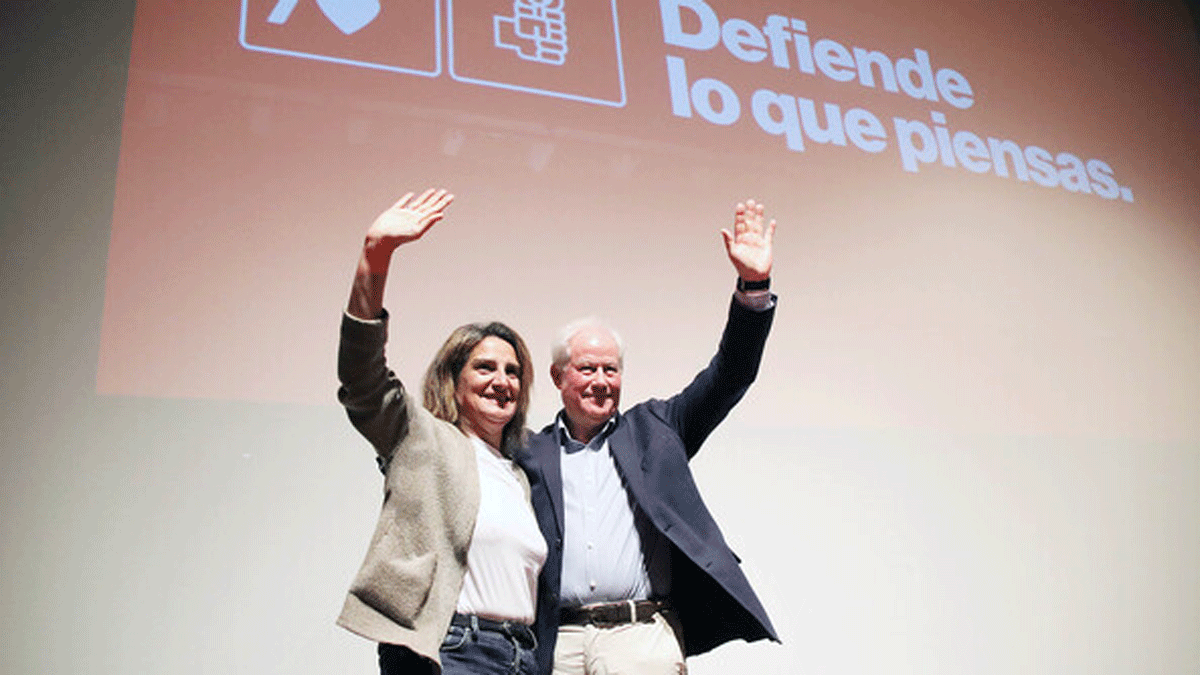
x,y
570,445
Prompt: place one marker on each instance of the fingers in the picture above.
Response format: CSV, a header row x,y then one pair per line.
x,y
430,201
441,200
748,217
430,208
754,213
433,199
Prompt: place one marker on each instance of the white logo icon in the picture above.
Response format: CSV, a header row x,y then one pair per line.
x,y
537,31
349,16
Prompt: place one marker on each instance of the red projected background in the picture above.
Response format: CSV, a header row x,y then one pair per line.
x,y
979,210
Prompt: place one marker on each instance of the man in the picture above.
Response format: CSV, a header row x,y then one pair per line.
x,y
638,575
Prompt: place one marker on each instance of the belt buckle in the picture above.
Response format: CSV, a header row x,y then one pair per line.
x,y
633,618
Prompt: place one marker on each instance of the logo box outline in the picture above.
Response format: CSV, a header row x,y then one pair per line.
x,y
437,41
620,103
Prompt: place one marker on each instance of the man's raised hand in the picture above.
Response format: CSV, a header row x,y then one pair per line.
x,y
749,244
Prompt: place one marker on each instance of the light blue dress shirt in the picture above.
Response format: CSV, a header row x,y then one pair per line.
x,y
611,552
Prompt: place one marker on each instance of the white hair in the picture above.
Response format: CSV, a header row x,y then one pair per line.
x,y
560,351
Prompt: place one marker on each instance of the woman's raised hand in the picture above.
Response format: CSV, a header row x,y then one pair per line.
x,y
408,219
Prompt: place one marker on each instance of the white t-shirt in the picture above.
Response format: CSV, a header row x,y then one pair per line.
x,y
507,549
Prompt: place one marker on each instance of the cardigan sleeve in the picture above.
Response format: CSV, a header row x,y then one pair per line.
x,y
371,393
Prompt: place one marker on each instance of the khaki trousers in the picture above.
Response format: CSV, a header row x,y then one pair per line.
x,y
652,648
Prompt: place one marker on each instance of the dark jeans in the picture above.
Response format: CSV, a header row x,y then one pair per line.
x,y
397,660
470,648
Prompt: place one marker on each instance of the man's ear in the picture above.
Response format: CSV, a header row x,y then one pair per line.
x,y
556,375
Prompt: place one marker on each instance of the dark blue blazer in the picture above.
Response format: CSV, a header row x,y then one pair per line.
x,y
652,444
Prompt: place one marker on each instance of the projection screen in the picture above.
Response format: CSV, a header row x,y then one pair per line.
x,y
974,443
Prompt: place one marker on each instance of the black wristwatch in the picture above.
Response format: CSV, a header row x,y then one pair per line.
x,y
760,285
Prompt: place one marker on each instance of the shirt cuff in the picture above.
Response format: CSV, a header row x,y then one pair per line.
x,y
381,319
758,301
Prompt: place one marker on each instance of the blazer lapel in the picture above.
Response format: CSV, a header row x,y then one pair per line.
x,y
546,461
624,451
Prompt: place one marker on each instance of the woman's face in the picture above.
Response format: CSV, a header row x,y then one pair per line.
x,y
487,389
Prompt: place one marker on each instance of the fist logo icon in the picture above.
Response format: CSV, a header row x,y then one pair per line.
x,y
537,31
539,47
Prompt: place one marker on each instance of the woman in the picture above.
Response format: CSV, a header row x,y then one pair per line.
x,y
450,577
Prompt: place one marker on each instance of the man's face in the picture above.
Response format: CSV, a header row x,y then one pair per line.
x,y
590,381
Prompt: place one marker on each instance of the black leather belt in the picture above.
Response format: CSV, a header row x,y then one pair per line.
x,y
613,613
513,629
